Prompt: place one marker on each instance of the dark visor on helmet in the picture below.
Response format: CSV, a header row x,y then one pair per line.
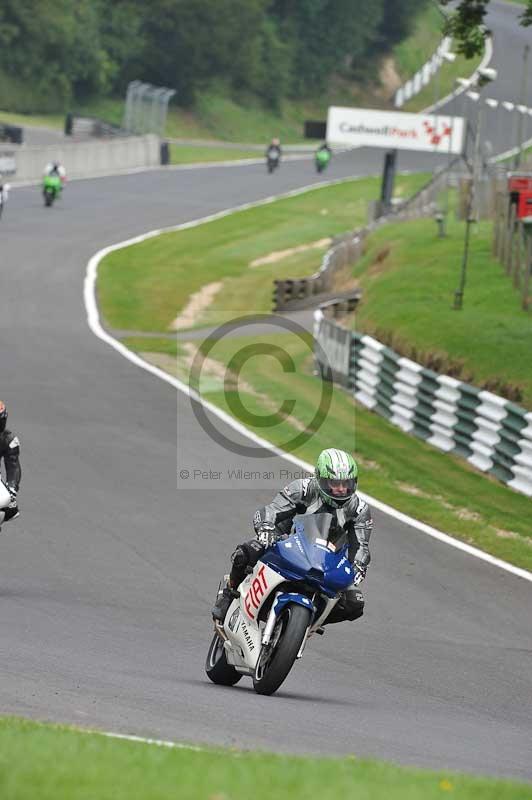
x,y
338,488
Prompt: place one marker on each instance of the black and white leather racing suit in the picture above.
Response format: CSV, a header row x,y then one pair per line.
x,y
9,455
302,497
274,152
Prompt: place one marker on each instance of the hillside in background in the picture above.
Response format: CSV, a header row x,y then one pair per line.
x,y
258,53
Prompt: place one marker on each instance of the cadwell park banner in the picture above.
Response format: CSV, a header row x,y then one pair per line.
x,y
397,130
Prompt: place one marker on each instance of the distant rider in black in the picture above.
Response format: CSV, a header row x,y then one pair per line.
x,y
9,455
274,151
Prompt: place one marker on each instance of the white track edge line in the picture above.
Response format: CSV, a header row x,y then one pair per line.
x,y
157,742
93,320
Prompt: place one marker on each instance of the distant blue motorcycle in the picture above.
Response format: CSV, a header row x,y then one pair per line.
x,y
284,601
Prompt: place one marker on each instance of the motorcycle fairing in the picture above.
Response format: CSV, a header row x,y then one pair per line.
x,y
307,555
5,497
240,626
283,599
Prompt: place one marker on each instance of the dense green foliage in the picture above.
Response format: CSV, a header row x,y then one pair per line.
x,y
51,53
466,24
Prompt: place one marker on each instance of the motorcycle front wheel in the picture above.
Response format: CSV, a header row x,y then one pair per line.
x,y
48,199
277,659
216,666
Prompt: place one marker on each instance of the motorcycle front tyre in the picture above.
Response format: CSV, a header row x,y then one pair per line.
x,y
48,199
294,620
216,666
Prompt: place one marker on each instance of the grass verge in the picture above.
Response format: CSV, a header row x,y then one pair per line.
x,y
144,287
57,763
409,276
38,120
408,474
412,53
191,154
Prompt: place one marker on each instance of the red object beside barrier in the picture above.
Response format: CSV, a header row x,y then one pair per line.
x,y
520,191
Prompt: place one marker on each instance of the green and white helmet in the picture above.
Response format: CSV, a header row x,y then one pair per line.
x,y
337,476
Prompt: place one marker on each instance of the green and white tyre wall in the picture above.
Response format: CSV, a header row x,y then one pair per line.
x,y
493,434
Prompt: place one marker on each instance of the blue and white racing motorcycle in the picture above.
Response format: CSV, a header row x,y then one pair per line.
x,y
284,601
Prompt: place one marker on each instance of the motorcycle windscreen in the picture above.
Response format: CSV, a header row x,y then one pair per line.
x,y
308,553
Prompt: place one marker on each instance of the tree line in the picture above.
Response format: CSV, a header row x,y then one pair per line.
x,y
54,53
467,24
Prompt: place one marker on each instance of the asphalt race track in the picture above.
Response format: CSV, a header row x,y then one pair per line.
x,y
107,579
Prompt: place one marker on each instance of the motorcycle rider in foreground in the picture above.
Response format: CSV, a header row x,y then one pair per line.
x,y
9,454
331,490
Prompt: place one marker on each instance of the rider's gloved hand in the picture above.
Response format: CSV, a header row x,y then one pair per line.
x,y
267,534
360,573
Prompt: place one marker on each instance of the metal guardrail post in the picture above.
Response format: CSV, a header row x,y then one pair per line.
x,y
511,240
163,110
528,268
518,255
496,226
127,122
146,108
505,234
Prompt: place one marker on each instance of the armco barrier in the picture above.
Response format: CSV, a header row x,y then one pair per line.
x,y
11,133
89,159
492,433
84,127
292,291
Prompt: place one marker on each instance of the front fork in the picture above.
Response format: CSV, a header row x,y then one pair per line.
x,y
270,626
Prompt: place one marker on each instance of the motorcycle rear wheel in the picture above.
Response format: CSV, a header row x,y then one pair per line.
x,y
216,666
294,621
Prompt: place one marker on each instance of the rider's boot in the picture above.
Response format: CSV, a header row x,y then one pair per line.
x,y
225,597
7,514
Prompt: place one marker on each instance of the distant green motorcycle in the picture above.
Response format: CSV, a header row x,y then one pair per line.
x,y
52,188
323,156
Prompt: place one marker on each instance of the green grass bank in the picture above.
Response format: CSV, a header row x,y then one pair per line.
x,y
192,154
57,763
181,263
409,276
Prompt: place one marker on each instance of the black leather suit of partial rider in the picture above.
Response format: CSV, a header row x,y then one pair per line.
x,y
9,454
302,497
